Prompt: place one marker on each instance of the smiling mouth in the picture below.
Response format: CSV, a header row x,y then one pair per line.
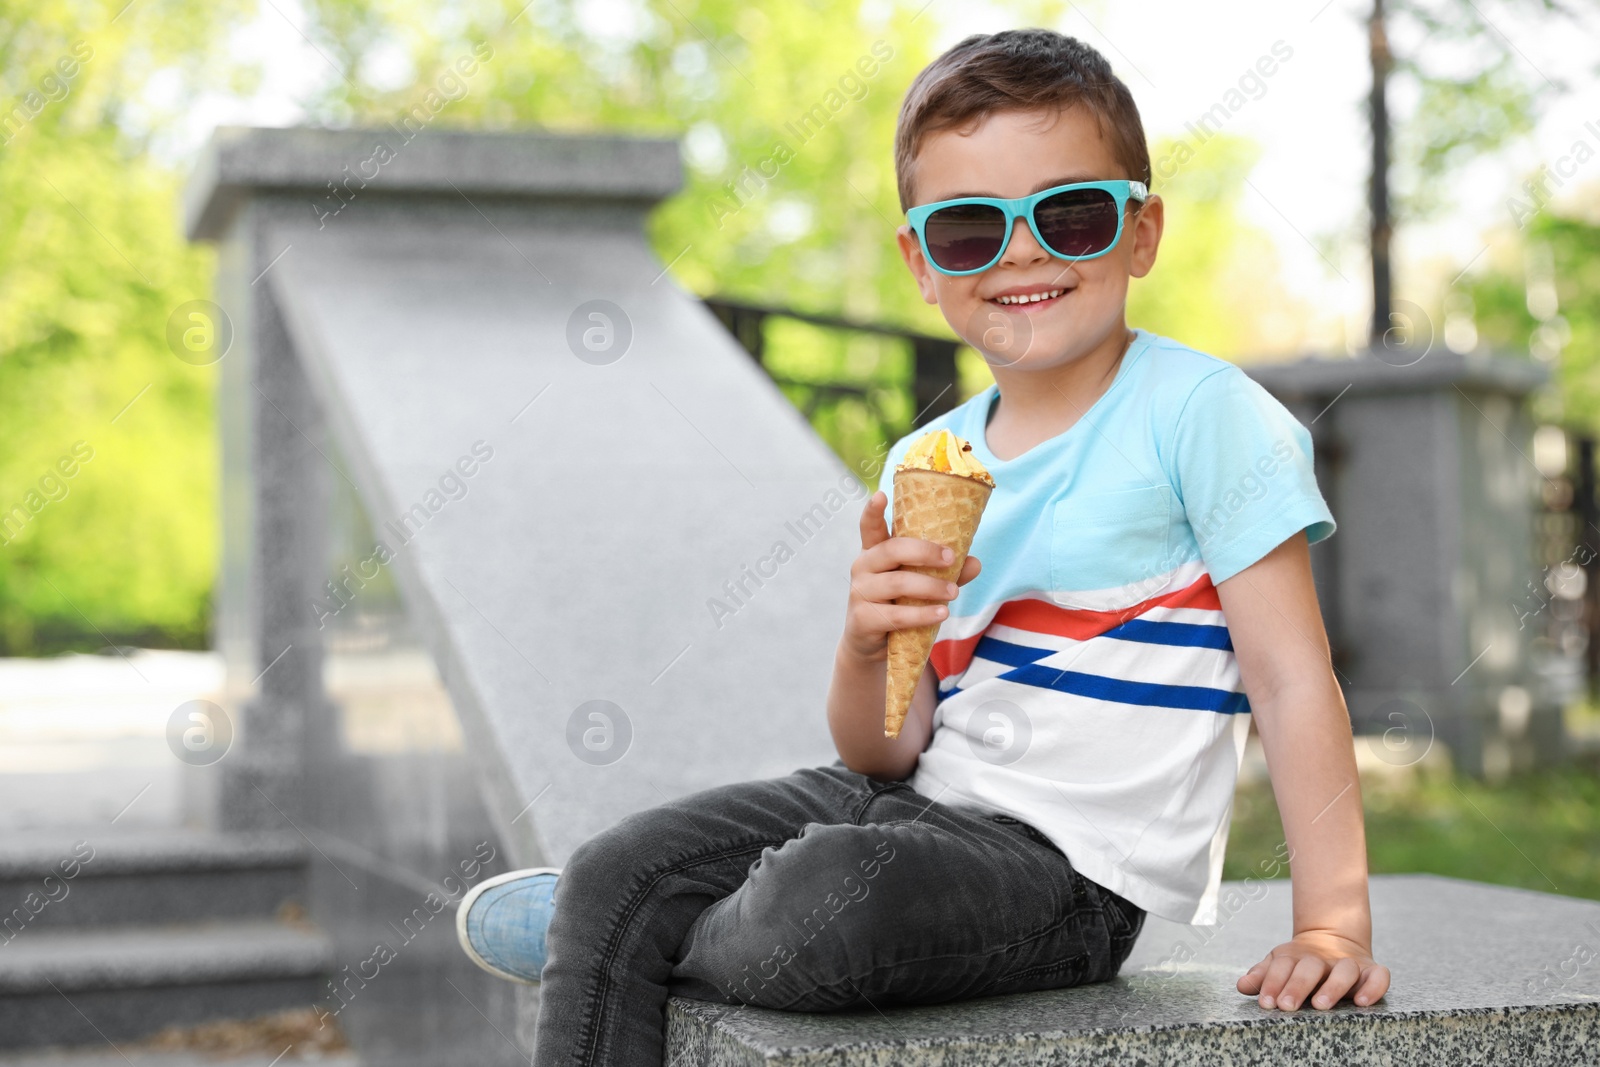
x,y
1030,300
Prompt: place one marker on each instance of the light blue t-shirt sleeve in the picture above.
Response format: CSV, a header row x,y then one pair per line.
x,y
1242,465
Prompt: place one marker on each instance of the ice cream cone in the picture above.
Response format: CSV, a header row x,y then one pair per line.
x,y
944,508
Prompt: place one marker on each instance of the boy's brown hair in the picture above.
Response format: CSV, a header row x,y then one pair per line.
x,y
1017,70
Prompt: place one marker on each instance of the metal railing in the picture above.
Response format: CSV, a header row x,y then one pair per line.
x,y
933,387
1563,603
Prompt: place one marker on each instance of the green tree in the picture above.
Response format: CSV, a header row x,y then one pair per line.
x,y
1214,285
1473,97
1566,278
91,266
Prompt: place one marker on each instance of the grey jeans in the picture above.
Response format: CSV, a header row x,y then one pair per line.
x,y
820,890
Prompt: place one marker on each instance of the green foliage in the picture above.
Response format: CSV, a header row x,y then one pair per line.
x,y
91,266
1534,831
1473,95
1214,284
1500,302
1458,118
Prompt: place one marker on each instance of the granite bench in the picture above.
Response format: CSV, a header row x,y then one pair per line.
x,y
1481,974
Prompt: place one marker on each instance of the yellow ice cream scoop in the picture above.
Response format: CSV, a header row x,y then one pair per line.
x,y
941,450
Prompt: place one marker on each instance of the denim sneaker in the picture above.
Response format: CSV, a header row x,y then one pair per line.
x,y
501,922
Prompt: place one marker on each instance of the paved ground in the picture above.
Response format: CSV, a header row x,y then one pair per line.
x,y
83,738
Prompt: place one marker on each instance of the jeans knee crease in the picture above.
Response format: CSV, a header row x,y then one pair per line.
x,y
602,989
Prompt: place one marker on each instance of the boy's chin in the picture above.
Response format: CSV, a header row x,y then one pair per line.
x,y
1044,351
1026,341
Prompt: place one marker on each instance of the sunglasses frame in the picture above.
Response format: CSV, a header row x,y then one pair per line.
x,y
1122,190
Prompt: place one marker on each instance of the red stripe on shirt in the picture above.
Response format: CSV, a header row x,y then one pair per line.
x,y
952,656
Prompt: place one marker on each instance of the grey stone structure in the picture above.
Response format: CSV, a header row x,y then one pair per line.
x,y
1426,468
625,551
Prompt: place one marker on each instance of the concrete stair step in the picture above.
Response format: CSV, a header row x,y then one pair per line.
x,y
61,878
79,986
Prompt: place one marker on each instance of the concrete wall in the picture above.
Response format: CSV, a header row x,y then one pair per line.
x,y
1425,467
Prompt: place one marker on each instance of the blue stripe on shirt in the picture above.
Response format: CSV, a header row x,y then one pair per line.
x,y
1186,634
1150,694
1012,655
1147,694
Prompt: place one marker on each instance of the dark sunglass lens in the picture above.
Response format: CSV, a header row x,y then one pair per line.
x,y
1079,222
966,236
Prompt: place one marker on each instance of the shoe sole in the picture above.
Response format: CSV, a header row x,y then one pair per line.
x,y
466,905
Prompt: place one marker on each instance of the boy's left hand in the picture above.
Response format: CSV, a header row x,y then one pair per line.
x,y
1329,963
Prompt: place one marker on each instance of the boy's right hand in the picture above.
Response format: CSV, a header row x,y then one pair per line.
x,y
876,579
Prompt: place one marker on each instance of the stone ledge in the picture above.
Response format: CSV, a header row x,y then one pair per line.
x,y
239,161
1478,971
1319,376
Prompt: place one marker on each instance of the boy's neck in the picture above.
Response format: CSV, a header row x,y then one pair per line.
x,y
1035,406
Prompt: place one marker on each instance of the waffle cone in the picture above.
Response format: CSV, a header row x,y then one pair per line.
x,y
945,509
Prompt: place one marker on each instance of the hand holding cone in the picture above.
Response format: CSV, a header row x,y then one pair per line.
x,y
940,491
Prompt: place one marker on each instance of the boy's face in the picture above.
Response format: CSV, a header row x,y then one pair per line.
x,y
1011,154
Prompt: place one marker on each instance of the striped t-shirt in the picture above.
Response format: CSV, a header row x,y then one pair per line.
x,y
1087,683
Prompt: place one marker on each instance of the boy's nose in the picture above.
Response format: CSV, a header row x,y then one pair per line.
x,y
1023,249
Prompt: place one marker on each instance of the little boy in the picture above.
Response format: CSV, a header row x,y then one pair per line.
x,y
1069,760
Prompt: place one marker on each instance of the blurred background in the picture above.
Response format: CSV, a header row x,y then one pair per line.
x,y
1413,175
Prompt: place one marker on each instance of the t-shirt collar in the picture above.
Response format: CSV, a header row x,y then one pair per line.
x,y
977,420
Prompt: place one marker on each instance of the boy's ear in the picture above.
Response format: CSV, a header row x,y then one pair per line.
x,y
911,252
1147,236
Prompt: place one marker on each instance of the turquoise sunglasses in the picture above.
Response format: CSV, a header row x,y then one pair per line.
x,y
1078,221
